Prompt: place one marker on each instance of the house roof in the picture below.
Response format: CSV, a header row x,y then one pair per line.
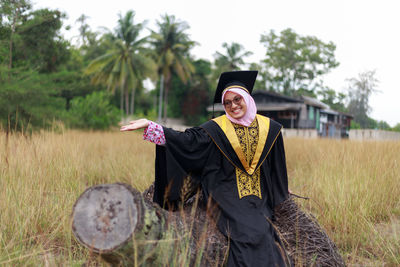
x,y
278,106
314,102
278,95
334,112
264,107
291,103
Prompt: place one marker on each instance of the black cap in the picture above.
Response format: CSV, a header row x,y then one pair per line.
x,y
244,79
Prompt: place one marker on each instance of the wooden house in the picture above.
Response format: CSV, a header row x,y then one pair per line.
x,y
299,113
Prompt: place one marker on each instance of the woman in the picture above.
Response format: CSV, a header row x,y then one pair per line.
x,y
238,159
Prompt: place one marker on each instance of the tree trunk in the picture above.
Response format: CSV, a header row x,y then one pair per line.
x,y
160,98
127,102
11,43
121,103
127,229
11,51
116,222
166,92
132,106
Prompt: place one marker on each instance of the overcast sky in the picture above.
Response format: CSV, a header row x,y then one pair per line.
x,y
366,32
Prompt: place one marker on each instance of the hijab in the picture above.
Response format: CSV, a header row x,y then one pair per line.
x,y
250,114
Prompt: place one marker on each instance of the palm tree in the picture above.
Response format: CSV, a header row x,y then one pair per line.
x,y
232,60
171,46
126,64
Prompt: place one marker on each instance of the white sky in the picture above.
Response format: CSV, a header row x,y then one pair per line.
x,y
366,32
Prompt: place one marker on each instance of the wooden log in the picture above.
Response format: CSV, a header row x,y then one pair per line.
x,y
125,228
113,220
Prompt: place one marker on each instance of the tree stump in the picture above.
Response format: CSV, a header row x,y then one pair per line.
x,y
125,228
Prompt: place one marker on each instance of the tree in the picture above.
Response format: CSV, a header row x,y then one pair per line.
x,y
383,125
40,44
28,95
190,100
84,30
333,99
260,83
293,63
396,128
10,17
93,111
232,59
69,84
34,38
172,46
359,92
126,64
28,100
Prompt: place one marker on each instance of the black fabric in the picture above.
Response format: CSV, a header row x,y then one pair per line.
x,y
206,153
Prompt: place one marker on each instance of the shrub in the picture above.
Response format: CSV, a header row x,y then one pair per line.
x,y
92,112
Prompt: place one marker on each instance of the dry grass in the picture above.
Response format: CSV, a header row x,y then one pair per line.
x,y
41,177
354,189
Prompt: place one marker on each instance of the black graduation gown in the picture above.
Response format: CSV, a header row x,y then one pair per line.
x,y
210,154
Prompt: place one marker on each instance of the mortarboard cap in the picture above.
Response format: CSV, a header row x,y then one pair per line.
x,y
244,79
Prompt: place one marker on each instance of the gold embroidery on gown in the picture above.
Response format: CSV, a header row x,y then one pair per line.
x,y
248,138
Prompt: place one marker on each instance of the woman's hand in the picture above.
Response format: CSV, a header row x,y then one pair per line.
x,y
134,125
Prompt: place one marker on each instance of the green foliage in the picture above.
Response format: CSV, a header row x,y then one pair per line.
x,y
27,100
126,64
383,125
295,62
97,45
332,98
11,10
396,128
70,84
171,45
371,124
354,125
145,103
84,30
4,44
150,114
190,100
92,112
359,92
11,14
231,60
262,77
38,44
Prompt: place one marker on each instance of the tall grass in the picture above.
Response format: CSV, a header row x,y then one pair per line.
x,y
354,189
355,194
41,176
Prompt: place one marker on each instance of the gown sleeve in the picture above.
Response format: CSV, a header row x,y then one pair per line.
x,y
154,133
184,153
278,172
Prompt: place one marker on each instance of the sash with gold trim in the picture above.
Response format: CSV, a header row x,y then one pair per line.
x,y
223,134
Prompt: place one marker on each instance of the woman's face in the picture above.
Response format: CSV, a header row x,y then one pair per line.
x,y
235,105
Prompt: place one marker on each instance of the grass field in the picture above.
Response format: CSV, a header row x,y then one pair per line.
x,y
354,190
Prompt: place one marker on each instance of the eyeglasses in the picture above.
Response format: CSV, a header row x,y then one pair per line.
x,y
236,100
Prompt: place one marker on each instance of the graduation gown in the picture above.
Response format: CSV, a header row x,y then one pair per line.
x,y
244,191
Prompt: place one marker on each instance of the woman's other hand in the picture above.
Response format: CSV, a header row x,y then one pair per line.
x,y
134,125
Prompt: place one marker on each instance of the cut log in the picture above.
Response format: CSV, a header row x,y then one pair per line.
x,y
125,228
113,220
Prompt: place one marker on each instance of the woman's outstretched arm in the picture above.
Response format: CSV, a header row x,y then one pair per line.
x,y
135,125
153,132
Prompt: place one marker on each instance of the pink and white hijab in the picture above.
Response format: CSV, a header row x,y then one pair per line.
x,y
250,115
